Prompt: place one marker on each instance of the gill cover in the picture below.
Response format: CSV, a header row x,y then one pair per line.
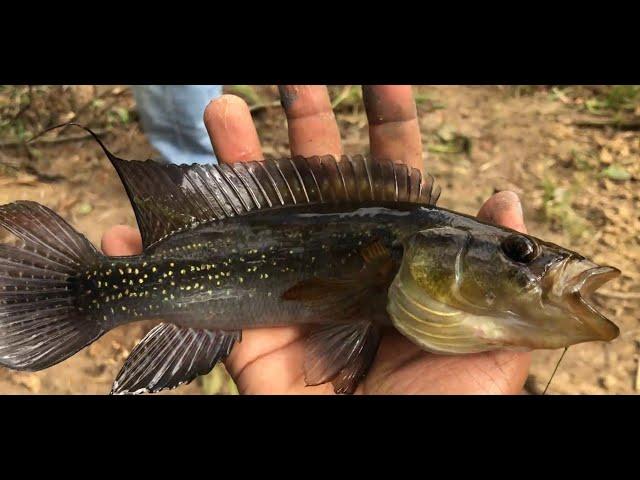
x,y
419,297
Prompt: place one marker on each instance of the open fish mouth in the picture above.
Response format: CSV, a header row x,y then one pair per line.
x,y
575,282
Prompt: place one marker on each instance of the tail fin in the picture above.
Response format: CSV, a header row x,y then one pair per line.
x,y
40,323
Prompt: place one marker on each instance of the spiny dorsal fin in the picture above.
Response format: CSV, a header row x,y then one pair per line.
x,y
170,198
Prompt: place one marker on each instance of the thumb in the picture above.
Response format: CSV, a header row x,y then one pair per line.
x,y
504,208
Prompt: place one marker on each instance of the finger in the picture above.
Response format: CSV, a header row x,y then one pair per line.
x,y
313,129
121,240
231,130
504,208
394,131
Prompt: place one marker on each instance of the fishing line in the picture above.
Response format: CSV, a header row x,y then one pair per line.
x,y
555,370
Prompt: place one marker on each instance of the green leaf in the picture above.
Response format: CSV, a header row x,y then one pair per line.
x,y
247,93
123,114
84,208
616,172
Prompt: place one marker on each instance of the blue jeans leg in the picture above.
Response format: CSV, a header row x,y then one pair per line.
x,y
171,116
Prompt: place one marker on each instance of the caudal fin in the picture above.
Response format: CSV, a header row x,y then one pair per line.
x,y
40,321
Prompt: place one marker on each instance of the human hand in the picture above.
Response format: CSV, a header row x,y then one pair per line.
x,y
270,360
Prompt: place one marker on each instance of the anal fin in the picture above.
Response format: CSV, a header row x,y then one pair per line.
x,y
342,354
170,356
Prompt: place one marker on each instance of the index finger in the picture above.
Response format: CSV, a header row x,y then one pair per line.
x,y
394,131
313,129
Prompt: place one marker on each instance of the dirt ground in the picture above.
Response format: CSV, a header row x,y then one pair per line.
x,y
579,181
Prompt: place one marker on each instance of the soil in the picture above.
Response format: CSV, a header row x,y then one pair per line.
x,y
481,139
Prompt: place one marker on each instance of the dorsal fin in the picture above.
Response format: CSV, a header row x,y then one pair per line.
x,y
170,198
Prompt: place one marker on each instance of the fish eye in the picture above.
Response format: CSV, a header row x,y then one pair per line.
x,y
520,248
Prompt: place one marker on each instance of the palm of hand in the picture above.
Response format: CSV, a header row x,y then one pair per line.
x,y
270,360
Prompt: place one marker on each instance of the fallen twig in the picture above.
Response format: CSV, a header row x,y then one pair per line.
x,y
620,295
631,123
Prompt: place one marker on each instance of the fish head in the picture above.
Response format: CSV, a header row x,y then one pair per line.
x,y
466,291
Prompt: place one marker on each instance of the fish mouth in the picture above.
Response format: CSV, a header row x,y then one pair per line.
x,y
575,282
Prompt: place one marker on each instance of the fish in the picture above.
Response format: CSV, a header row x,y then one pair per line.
x,y
348,246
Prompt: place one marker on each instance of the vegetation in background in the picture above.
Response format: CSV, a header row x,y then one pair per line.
x,y
618,98
557,209
28,110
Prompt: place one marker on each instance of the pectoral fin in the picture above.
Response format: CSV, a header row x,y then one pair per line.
x,y
341,354
347,297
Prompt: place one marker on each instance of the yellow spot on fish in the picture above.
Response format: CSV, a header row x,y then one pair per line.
x,y
154,269
183,271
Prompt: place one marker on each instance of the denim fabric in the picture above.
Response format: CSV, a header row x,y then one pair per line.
x,y
171,116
